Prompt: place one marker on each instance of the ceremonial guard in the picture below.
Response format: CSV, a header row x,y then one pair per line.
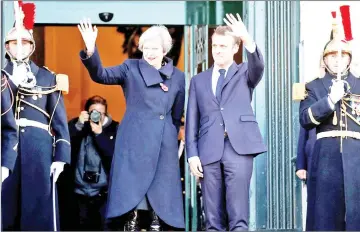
x,y
332,106
29,200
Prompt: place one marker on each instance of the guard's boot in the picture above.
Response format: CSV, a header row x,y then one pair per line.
x,y
155,223
132,223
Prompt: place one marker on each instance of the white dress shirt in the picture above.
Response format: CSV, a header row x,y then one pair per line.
x,y
216,74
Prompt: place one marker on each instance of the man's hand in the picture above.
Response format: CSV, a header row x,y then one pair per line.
x,y
5,172
301,173
195,166
238,29
181,135
83,117
96,128
56,169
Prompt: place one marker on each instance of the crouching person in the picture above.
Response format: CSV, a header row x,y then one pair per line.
x,y
93,139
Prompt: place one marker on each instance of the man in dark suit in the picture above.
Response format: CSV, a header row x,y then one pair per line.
x,y
222,135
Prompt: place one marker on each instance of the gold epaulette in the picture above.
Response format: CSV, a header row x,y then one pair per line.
x,y
62,81
299,90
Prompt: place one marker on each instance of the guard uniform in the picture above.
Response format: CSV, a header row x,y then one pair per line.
x,y
334,178
29,200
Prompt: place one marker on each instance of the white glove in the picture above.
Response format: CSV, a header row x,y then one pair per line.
x,y
195,166
56,169
337,91
5,172
19,74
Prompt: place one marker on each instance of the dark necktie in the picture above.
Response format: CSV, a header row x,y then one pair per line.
x,y
220,83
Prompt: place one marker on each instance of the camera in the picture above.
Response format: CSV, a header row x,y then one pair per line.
x,y
95,116
91,177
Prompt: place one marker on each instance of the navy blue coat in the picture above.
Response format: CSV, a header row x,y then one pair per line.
x,y
145,161
306,142
9,137
206,117
27,193
334,183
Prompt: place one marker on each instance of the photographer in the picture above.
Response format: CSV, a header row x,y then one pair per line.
x,y
92,146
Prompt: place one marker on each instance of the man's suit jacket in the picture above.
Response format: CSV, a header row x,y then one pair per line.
x,y
207,118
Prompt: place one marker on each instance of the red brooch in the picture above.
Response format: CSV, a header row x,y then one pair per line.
x,y
164,87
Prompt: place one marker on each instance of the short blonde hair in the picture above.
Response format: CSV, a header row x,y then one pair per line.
x,y
222,30
158,31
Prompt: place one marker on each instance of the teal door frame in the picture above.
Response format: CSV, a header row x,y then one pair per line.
x,y
196,60
275,192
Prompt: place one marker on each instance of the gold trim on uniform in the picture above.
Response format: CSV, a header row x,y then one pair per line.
x,y
36,107
313,120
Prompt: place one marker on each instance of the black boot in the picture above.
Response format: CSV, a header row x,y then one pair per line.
x,y
132,224
155,223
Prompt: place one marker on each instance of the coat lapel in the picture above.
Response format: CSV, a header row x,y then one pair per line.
x,y
352,81
150,74
34,68
230,74
168,69
9,67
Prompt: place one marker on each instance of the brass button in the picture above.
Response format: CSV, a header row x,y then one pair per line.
x,y
22,108
34,97
22,130
22,96
221,109
162,117
111,137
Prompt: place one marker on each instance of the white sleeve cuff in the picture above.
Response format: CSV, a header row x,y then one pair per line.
x,y
251,48
193,158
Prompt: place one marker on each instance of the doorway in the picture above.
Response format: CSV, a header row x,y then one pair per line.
x,y
58,47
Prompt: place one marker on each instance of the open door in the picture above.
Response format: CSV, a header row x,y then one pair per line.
x,y
58,47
